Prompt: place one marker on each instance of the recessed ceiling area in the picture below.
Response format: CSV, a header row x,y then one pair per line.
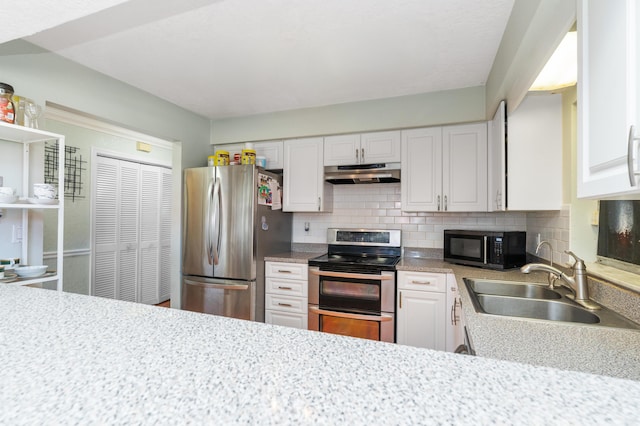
x,y
242,57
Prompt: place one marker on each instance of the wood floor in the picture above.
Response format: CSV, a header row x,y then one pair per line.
x,y
166,304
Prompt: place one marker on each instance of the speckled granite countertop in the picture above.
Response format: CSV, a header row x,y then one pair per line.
x,y
292,257
72,359
572,346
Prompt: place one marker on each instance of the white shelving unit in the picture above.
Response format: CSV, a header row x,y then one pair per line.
x,y
10,133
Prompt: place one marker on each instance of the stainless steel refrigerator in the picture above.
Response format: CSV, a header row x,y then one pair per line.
x,y
230,225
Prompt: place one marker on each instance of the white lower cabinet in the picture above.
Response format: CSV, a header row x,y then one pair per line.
x,y
424,317
286,294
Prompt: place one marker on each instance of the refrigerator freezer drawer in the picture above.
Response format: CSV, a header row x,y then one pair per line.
x,y
235,299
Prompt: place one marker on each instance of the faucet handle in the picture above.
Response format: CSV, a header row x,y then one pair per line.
x,y
579,263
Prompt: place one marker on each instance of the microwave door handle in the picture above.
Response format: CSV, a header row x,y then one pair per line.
x,y
485,249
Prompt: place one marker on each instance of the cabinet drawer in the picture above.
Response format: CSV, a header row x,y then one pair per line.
x,y
286,319
285,304
422,281
286,287
286,270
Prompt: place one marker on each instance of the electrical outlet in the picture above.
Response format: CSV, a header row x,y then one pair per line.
x,y
306,227
16,234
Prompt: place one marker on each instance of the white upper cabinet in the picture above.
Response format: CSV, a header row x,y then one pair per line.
x,y
421,184
341,150
534,163
367,148
608,93
380,147
496,160
445,168
273,151
464,171
304,188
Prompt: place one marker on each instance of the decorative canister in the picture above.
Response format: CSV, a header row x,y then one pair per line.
x,y
221,158
248,156
7,111
211,160
261,161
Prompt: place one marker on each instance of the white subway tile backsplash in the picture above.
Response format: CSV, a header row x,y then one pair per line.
x,y
378,206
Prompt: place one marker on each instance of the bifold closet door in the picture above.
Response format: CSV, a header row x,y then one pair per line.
x,y
132,231
116,220
155,233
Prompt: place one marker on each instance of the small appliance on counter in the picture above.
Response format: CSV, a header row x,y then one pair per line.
x,y
486,249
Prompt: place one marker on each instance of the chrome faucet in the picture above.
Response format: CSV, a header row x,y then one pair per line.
x,y
576,282
552,278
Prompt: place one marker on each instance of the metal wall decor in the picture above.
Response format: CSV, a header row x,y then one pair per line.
x,y
74,169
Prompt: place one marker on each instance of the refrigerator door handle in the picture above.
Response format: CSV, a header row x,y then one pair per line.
x,y
218,286
215,222
207,230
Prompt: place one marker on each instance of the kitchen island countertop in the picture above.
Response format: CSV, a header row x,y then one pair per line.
x,y
70,358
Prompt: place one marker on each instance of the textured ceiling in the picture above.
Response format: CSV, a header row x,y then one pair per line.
x,y
26,17
242,57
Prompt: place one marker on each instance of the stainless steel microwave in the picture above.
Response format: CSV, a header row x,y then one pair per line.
x,y
487,249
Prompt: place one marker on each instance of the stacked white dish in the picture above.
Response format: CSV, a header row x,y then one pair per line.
x,y
8,199
30,271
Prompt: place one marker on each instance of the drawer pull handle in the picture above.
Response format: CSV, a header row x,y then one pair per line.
x,y
421,282
289,305
284,271
285,288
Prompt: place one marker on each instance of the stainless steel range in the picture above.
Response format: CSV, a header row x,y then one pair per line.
x,y
352,288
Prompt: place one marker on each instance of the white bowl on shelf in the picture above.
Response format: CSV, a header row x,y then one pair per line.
x,y
30,271
8,199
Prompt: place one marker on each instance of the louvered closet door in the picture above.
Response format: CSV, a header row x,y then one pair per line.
x,y
105,222
132,220
116,222
150,198
166,200
128,234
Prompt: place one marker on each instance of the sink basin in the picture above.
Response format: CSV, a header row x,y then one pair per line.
x,y
535,308
534,301
513,289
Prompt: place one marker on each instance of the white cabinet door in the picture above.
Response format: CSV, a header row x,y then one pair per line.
x,y
609,39
341,150
273,151
303,177
497,160
535,154
421,319
454,321
116,224
380,147
464,170
421,184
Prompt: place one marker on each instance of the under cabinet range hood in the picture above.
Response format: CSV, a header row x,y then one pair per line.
x,y
362,173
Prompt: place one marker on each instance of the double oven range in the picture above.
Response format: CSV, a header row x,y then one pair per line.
x,y
352,288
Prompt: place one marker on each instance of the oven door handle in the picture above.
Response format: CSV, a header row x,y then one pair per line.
x,y
364,317
350,275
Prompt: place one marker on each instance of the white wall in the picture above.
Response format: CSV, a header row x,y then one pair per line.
x,y
445,107
46,77
534,30
77,213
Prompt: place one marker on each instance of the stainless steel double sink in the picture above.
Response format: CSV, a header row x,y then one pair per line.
x,y
536,301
